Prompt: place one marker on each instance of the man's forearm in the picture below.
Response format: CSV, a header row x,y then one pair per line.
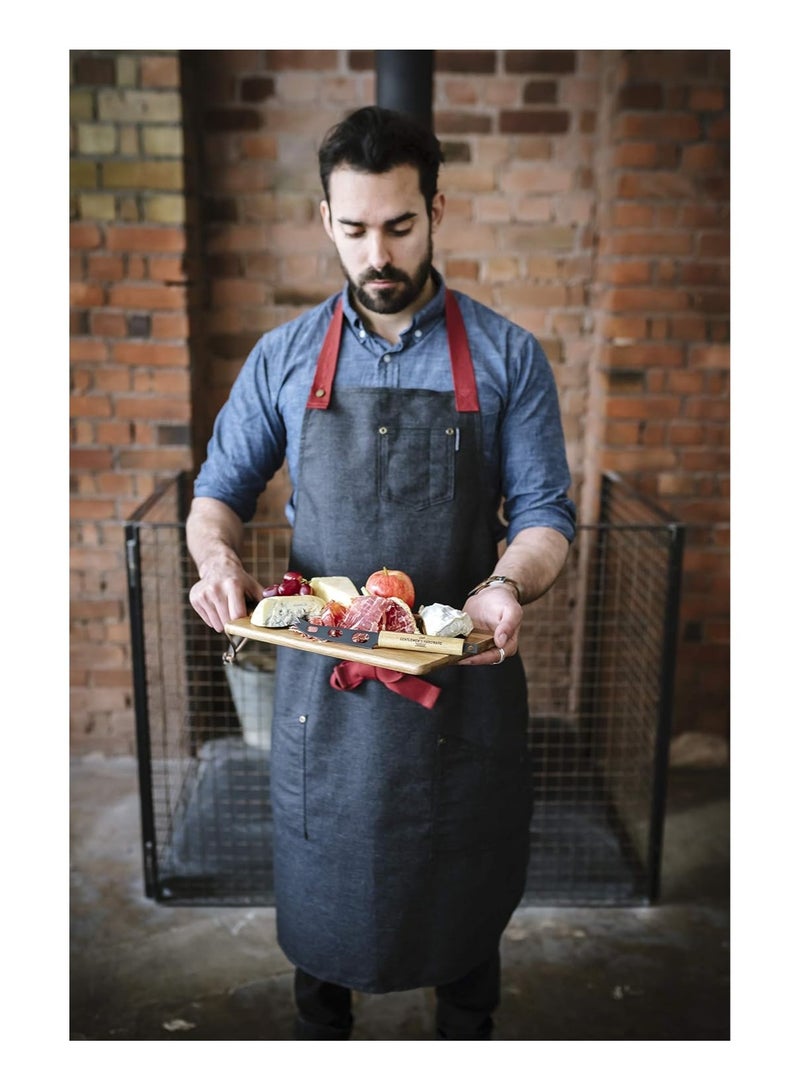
x,y
214,535
533,560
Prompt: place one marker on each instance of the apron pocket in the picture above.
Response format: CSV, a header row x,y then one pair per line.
x,y
288,771
482,796
417,465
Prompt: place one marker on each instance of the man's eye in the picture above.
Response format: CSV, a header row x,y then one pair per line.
x,y
353,234
398,232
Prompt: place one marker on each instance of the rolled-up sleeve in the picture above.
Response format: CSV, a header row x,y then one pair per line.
x,y
248,443
535,474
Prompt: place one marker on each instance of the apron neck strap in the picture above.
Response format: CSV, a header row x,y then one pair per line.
x,y
464,384
320,394
460,357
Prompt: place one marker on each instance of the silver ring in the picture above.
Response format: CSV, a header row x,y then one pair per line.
x,y
502,657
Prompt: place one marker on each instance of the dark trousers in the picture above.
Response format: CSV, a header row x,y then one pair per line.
x,y
463,1008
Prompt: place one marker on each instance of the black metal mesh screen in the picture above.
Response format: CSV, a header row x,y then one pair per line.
x,y
598,650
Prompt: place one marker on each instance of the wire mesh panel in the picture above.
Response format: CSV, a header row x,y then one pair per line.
x,y
598,651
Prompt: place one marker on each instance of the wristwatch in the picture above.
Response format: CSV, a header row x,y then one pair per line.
x,y
497,579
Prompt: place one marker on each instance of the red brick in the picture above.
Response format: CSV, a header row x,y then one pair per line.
x,y
92,458
642,408
462,121
682,434
150,354
675,127
314,60
105,267
112,379
170,326
91,509
534,121
86,350
162,458
149,239
167,269
647,299
556,61
107,324
96,71
160,72
116,433
685,382
83,294
648,242
145,298
710,356
152,409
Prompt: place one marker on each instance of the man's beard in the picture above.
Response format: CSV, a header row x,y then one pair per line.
x,y
402,294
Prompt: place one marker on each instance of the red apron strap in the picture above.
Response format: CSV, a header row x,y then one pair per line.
x,y
350,675
320,395
466,390
460,357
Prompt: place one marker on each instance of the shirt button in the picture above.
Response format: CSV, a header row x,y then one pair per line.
x,y
418,334
386,358
362,334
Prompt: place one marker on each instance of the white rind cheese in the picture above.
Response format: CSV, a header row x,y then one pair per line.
x,y
440,620
281,611
334,589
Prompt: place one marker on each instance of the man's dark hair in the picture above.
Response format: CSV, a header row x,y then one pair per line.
x,y
376,140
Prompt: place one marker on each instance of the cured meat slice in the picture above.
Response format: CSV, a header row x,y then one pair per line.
x,y
397,617
333,613
365,612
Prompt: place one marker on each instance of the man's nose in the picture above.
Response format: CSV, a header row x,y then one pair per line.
x,y
378,253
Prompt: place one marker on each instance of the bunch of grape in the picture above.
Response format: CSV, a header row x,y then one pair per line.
x,y
293,583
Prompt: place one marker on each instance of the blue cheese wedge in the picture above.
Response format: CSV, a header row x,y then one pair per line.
x,y
440,620
281,611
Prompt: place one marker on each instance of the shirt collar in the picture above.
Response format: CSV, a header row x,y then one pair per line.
x,y
422,319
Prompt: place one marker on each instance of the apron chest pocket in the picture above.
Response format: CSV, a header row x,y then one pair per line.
x,y
416,466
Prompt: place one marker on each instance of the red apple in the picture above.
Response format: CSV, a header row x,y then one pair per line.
x,y
391,583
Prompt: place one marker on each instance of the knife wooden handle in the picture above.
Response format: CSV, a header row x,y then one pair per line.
x,y
418,642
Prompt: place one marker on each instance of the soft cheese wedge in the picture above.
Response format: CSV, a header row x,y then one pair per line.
x,y
280,611
334,589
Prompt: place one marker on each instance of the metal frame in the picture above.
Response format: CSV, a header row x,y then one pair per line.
x,y
578,736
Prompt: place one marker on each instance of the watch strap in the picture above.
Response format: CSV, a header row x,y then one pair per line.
x,y
490,580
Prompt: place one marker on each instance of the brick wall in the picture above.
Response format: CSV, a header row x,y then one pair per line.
x,y
661,303
587,200
130,382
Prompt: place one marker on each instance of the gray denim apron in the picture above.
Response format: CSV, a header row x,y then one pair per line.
x,y
400,830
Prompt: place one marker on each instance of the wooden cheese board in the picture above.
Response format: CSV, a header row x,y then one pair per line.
x,y
403,660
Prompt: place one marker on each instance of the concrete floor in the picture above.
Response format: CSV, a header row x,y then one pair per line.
x,y
142,971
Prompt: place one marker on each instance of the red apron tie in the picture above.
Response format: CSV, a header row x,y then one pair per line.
x,y
349,675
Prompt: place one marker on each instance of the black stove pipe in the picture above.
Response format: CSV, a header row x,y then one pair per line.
x,y
405,82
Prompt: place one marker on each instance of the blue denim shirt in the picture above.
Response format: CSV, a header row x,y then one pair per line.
x,y
261,423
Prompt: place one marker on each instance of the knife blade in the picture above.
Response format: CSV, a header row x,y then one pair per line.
x,y
362,638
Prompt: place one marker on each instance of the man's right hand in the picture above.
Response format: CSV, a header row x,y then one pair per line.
x,y
221,595
214,538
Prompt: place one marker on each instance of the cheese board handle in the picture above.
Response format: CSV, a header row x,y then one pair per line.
x,y
233,648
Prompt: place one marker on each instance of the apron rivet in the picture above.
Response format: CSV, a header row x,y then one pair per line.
x,y
449,431
382,431
319,393
302,719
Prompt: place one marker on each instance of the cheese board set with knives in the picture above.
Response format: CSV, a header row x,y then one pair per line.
x,y
409,653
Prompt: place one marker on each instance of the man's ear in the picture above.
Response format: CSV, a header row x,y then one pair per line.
x,y
325,213
437,210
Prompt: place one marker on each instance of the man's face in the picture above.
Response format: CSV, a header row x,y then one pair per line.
x,y
383,235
